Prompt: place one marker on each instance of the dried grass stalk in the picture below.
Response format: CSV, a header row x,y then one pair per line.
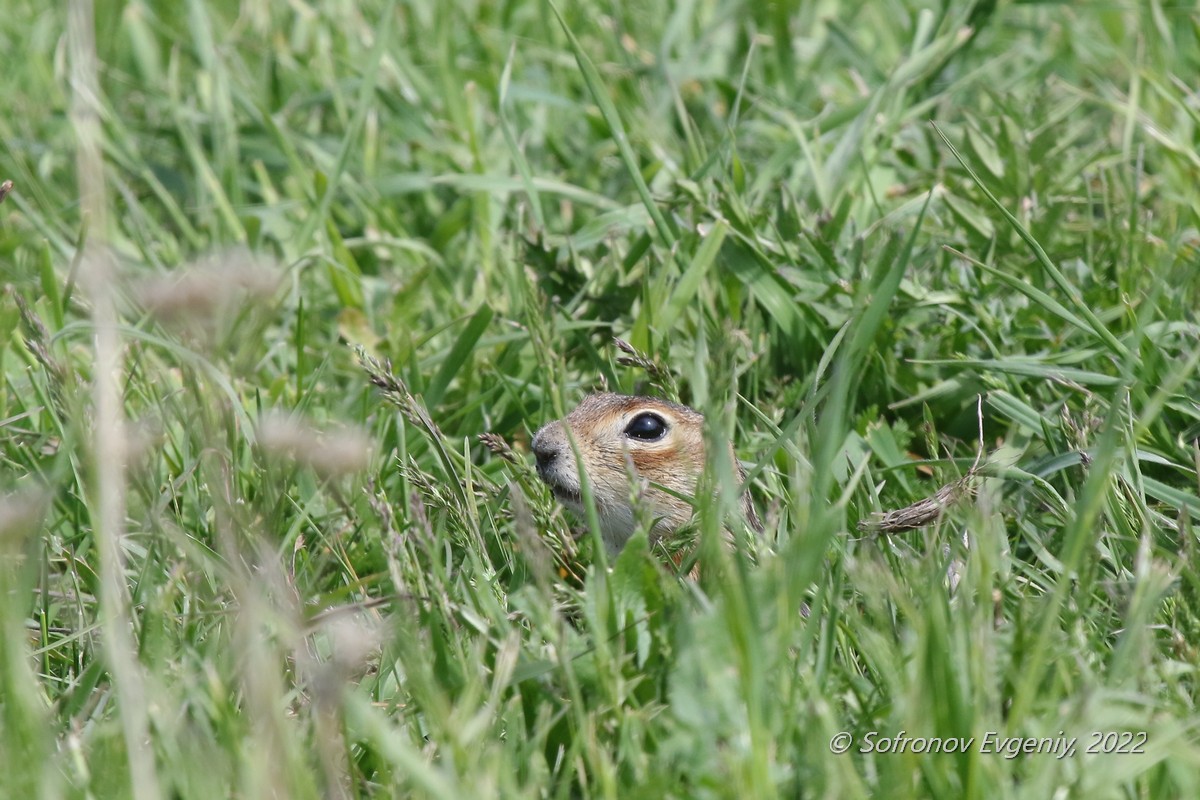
x,y
923,511
927,510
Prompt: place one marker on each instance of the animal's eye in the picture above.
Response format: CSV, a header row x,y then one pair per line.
x,y
647,427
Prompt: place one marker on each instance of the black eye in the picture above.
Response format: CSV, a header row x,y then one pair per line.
x,y
646,427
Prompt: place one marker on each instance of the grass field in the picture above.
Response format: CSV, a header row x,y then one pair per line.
x,y
270,269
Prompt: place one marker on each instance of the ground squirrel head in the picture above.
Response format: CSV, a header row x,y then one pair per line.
x,y
663,443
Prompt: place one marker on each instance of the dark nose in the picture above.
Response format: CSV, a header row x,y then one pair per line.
x,y
546,456
545,452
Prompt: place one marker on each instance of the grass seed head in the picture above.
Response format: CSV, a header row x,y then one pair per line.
x,y
331,453
210,287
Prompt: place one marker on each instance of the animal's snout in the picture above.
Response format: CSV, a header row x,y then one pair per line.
x,y
546,449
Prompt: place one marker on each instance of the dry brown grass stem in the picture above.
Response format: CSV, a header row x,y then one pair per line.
x,y
929,509
107,501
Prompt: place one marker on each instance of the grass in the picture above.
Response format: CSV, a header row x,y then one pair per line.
x,y
265,288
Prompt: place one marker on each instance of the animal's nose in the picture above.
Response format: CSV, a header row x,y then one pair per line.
x,y
545,451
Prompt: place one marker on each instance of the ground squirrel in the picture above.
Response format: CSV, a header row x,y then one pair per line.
x,y
663,441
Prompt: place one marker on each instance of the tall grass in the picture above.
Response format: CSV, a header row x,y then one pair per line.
x,y
271,270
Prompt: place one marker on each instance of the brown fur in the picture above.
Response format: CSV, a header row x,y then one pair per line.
x,y
597,425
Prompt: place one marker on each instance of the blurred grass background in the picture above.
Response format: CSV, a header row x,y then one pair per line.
x,y
256,574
